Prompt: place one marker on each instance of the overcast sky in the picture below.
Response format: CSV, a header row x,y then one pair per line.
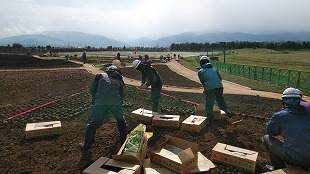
x,y
127,20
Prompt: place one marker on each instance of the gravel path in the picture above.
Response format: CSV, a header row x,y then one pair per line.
x,y
229,87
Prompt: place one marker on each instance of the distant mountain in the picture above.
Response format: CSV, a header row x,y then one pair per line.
x,y
83,39
31,40
227,37
62,39
79,39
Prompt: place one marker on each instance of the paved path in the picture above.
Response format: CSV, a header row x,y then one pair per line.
x,y
229,87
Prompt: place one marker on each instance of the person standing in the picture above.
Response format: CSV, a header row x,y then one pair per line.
x,y
84,57
118,56
108,95
213,88
293,124
150,77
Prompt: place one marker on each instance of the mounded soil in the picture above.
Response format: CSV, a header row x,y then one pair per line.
x,y
61,154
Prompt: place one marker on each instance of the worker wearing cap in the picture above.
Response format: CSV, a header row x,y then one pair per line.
x,y
213,88
150,77
107,91
293,124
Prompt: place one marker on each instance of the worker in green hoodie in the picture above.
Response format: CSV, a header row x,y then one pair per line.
x,y
107,91
150,77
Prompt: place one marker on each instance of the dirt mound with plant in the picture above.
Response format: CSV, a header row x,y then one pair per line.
x,y
69,91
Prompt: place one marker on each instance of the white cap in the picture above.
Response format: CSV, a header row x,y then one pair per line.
x,y
291,93
136,63
204,58
112,68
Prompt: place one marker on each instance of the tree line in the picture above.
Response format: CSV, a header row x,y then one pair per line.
x,y
284,45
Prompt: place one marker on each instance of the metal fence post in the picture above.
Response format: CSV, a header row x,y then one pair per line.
x,y
288,77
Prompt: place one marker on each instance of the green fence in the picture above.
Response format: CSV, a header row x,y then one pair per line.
x,y
298,79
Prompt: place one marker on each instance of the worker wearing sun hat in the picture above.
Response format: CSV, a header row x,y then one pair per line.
x,y
213,88
293,124
107,91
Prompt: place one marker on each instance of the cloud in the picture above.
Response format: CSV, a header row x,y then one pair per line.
x,y
128,20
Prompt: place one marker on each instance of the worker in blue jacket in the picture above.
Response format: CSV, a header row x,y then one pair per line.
x,y
150,77
108,95
293,124
213,88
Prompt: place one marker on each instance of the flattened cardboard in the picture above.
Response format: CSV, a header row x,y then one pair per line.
x,y
150,167
135,158
166,120
235,156
288,170
204,165
40,129
143,114
194,123
109,166
185,160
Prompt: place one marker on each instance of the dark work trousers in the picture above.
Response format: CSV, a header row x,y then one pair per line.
x,y
155,96
211,96
275,151
99,114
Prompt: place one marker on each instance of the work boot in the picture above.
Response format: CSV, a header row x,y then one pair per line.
x,y
81,145
270,167
229,114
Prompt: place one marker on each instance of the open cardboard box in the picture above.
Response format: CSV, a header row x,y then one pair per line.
x,y
143,114
166,120
135,158
40,129
288,170
109,166
204,165
194,123
235,156
176,154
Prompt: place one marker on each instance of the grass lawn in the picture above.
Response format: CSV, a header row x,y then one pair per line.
x,y
260,57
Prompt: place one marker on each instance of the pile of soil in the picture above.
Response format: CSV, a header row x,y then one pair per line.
x,y
61,154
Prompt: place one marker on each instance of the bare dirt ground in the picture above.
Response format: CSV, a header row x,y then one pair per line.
x,y
61,154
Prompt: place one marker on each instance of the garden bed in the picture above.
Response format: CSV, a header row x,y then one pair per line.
x,y
61,154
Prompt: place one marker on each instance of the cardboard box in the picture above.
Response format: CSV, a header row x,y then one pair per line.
x,y
218,113
242,158
143,114
166,120
135,158
40,129
109,166
204,165
176,154
288,170
194,123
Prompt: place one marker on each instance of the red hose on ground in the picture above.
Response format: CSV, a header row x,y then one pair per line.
x,y
30,110
40,106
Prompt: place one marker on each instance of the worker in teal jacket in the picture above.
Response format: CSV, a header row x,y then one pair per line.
x,y
213,88
108,95
293,124
150,77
